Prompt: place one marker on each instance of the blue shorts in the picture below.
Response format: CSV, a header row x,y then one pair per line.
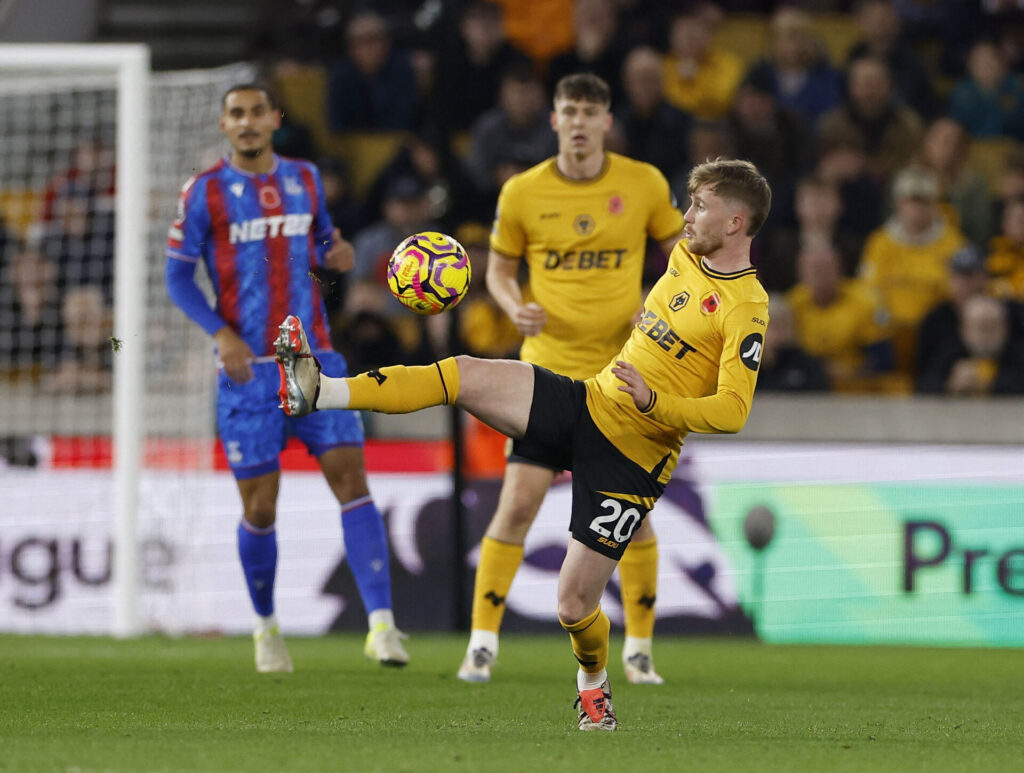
x,y
254,430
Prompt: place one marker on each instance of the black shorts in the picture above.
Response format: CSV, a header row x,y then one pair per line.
x,y
611,494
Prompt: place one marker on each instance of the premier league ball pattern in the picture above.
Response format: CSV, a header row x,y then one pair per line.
x,y
429,272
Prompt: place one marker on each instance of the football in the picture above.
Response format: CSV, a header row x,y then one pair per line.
x,y
429,272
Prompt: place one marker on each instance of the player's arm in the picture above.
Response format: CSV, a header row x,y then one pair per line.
x,y
503,285
725,411
187,234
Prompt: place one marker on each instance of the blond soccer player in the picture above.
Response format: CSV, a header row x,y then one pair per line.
x,y
689,365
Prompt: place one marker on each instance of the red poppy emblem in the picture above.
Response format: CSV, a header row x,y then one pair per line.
x,y
709,303
615,205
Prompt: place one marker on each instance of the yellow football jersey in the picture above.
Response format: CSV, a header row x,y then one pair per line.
x,y
698,347
584,242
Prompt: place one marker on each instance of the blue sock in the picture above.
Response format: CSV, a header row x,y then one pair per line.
x,y
366,544
258,550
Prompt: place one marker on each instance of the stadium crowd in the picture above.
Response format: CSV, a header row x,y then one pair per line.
x,y
891,131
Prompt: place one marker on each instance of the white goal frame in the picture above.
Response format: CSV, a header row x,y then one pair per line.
x,y
129,64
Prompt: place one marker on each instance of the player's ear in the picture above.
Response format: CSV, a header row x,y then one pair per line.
x,y
554,120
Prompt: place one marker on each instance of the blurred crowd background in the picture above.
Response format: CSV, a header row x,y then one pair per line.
x,y
892,132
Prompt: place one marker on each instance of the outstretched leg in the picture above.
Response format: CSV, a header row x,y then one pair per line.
x,y
498,392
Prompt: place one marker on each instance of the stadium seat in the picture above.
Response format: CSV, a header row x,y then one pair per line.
x,y
303,94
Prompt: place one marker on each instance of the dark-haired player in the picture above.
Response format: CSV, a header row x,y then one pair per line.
x,y
580,222
259,224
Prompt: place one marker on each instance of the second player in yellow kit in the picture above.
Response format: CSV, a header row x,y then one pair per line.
x,y
580,222
584,243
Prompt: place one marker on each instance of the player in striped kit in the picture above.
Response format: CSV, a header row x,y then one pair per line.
x,y
259,224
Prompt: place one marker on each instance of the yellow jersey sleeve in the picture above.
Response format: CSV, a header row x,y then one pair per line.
x,y
727,409
698,346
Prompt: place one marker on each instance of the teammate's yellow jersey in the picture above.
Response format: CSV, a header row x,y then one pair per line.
x,y
584,242
698,347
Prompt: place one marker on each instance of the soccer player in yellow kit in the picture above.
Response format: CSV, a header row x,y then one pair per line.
x,y
689,365
580,221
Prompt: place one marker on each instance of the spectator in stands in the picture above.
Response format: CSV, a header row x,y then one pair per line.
x,y
988,360
511,137
843,162
31,327
419,156
597,47
839,320
890,132
938,336
818,210
965,192
989,100
797,68
785,366
469,74
907,260
75,230
376,329
653,130
1005,261
406,211
374,87
86,361
773,138
697,76
881,35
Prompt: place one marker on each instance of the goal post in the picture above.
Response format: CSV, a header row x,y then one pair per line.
x,y
112,517
129,66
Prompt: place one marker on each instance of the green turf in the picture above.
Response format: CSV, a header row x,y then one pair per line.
x,y
191,704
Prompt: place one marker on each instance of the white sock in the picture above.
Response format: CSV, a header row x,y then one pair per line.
x,y
634,644
334,393
479,638
264,624
385,616
585,681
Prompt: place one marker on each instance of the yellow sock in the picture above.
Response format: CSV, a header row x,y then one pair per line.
x,y
638,574
499,562
590,640
403,389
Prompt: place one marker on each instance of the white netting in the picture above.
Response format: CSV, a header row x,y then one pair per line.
x,y
58,135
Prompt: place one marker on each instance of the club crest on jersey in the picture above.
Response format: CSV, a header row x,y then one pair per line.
x,y
616,205
584,224
679,300
269,197
238,189
709,303
292,186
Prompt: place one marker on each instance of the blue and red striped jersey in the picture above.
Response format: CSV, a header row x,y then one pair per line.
x,y
260,236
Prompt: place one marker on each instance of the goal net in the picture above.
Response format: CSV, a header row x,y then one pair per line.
x,y
104,384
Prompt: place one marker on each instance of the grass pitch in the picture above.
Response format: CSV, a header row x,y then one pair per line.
x,y
162,704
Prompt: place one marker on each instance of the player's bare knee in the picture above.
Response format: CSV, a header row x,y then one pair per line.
x,y
571,610
260,517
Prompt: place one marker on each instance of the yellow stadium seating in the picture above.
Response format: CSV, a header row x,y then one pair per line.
x,y
988,157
